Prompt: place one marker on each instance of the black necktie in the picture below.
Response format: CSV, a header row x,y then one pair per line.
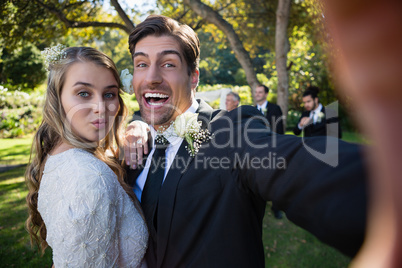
x,y
153,184
314,117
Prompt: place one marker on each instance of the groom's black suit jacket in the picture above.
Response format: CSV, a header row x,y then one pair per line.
x,y
211,206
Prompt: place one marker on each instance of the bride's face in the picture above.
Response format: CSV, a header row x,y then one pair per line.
x,y
90,100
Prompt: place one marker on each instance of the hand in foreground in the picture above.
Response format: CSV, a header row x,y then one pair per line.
x,y
136,143
367,38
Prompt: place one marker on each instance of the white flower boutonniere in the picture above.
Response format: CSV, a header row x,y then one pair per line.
x,y
187,127
264,111
321,116
126,79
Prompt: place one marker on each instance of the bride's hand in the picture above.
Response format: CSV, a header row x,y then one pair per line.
x,y
136,143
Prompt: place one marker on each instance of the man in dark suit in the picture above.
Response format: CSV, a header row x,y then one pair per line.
x,y
209,205
315,121
273,114
232,101
271,111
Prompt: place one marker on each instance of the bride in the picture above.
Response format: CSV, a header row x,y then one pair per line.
x,y
78,202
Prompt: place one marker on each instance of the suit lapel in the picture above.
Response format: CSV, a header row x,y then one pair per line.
x,y
167,194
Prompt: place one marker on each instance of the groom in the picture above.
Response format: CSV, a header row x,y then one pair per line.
x,y
210,205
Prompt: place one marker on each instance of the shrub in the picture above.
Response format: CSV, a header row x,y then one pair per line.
x,y
20,112
22,67
292,119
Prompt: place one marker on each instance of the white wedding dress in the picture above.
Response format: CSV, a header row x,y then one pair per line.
x,y
90,219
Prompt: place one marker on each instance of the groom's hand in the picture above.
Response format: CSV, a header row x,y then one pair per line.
x,y
136,143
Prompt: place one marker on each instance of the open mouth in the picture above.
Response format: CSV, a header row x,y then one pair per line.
x,y
155,99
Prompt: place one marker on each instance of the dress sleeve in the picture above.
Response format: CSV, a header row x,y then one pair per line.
x,y
87,225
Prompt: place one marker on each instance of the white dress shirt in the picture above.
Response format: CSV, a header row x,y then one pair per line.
x,y
263,107
171,151
314,114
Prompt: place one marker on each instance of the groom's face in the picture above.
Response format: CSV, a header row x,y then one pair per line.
x,y
161,82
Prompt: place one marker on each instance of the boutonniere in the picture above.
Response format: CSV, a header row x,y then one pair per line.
x,y
187,127
264,111
321,115
126,79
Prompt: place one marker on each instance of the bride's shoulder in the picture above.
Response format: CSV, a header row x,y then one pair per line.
x,y
74,157
76,164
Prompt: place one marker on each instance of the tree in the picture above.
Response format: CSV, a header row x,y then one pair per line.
x,y
247,27
20,20
69,22
208,14
282,48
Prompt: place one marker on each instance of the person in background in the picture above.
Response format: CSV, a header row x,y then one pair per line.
x,y
232,101
271,111
273,114
314,121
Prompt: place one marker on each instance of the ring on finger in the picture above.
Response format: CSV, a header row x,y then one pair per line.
x,y
139,142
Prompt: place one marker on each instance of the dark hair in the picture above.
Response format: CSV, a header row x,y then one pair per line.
x,y
235,95
266,89
159,25
311,91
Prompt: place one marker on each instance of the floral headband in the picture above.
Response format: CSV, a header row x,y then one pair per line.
x,y
57,52
53,54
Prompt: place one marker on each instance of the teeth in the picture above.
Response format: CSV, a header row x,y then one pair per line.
x,y
156,95
155,103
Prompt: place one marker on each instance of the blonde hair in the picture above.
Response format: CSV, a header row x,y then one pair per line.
x,y
55,129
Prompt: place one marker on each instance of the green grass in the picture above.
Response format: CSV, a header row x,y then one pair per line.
x,y
15,151
286,245
347,136
354,137
15,248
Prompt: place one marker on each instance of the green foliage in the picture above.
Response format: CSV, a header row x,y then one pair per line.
x,y
27,21
243,91
20,112
292,119
253,20
112,42
20,22
22,67
218,65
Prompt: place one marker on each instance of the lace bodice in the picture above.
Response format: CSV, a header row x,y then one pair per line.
x,y
90,219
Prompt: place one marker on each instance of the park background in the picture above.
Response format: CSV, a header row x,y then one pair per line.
x,y
280,43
